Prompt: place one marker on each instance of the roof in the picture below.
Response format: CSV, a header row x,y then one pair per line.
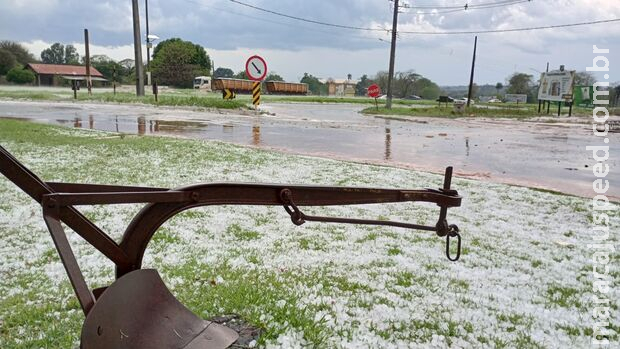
x,y
62,69
82,78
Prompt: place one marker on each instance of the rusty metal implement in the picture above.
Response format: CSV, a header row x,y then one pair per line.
x,y
137,310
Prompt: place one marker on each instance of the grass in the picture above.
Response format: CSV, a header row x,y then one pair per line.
x,y
190,100
317,285
516,112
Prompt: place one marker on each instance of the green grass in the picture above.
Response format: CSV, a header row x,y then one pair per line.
x,y
186,99
500,111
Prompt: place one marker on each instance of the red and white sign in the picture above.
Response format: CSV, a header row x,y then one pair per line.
x,y
256,68
374,91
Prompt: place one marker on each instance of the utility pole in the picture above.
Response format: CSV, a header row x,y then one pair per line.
x,y
137,46
471,77
388,103
89,82
148,44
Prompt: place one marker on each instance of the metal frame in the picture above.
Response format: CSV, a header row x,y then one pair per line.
x,y
58,201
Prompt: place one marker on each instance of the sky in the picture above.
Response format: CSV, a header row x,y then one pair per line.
x,y
231,32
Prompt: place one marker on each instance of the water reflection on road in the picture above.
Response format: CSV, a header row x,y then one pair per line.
x,y
544,155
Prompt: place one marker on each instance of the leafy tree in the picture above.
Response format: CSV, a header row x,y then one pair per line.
x,y
520,83
314,85
584,78
7,61
223,73
499,86
241,75
404,83
430,92
19,75
176,62
21,54
273,77
60,54
108,67
362,86
71,55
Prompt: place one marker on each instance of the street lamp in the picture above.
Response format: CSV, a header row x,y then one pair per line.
x,y
149,44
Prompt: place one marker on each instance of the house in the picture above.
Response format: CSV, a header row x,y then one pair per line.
x,y
52,74
341,87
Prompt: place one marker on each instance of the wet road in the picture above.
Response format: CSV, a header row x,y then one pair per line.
x,y
550,155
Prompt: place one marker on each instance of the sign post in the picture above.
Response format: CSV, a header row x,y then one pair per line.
x,y
374,91
256,70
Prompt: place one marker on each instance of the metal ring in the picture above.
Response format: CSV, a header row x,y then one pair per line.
x,y
458,246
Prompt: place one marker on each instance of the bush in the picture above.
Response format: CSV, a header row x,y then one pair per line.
x,y
7,61
19,75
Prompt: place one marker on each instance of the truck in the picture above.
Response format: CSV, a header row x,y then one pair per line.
x,y
203,82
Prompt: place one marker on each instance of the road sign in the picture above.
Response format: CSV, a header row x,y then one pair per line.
x,y
228,94
256,93
374,91
256,68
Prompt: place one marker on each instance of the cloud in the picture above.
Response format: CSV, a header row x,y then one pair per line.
x,y
229,32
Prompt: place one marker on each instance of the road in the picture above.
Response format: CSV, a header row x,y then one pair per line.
x,y
544,155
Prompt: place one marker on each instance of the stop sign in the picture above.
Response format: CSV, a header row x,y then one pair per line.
x,y
374,91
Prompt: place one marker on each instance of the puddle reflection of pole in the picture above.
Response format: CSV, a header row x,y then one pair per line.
x,y
141,125
466,146
388,143
91,122
256,135
116,123
77,122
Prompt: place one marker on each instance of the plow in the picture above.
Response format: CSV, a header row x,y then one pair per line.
x,y
137,310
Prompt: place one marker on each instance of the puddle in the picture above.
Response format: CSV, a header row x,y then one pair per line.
x,y
510,152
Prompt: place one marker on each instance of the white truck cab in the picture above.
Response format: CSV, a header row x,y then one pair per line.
x,y
203,82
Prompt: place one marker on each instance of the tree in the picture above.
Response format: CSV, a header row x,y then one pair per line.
x,y
362,86
109,68
7,61
404,83
520,83
241,75
176,62
273,77
71,55
584,78
314,85
59,54
21,54
499,86
223,73
19,75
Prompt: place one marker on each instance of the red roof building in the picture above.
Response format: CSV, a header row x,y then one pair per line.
x,y
50,74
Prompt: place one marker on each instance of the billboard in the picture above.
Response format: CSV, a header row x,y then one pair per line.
x,y
556,86
515,98
584,96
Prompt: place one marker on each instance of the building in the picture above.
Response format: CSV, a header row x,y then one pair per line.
x,y
341,87
54,74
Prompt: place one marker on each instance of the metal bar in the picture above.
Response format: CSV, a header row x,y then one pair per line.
x,y
95,236
70,199
366,221
21,176
97,188
83,293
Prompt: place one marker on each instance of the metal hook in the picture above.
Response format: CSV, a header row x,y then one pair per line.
x,y
297,217
453,232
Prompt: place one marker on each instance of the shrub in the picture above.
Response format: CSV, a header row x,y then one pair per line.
x,y
19,75
7,61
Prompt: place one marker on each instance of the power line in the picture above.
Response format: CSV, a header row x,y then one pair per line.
x,y
305,19
488,31
472,6
465,9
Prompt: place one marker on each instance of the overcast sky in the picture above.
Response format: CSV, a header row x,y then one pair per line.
x,y
231,33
